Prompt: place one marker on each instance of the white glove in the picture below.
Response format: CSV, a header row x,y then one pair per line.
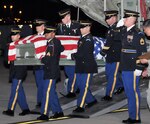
x,y
104,59
138,72
120,22
69,56
99,56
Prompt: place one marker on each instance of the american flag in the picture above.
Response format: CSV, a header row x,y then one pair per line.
x,y
38,41
98,45
69,43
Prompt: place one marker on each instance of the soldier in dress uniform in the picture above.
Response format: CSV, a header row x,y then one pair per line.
x,y
17,74
38,70
85,67
68,27
133,45
112,51
51,74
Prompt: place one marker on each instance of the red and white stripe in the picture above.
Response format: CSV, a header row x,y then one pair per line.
x,y
38,41
69,43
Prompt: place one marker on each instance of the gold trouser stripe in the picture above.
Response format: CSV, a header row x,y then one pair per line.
x,y
115,78
16,95
47,97
137,98
72,86
31,122
85,92
40,121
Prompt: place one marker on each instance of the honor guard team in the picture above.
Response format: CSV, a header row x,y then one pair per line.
x,y
124,44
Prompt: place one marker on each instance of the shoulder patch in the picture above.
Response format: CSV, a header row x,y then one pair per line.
x,y
142,33
88,39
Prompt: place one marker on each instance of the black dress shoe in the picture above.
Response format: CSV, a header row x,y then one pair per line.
x,y
58,115
78,110
106,98
8,112
119,91
38,105
43,117
78,91
71,95
91,104
24,112
131,121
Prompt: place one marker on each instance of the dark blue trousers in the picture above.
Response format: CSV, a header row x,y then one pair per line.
x,y
131,85
113,79
17,96
70,72
39,79
50,99
83,84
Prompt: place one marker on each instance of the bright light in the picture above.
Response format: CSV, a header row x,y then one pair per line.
x,y
5,6
11,6
30,26
20,12
20,26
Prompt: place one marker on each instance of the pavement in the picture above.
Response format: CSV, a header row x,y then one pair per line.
x,y
30,91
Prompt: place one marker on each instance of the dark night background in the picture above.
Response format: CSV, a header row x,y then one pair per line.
x,y
45,9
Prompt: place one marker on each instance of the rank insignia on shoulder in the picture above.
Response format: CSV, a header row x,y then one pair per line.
x,y
142,42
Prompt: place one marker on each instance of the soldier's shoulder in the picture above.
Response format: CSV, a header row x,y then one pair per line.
x,y
139,31
59,24
89,38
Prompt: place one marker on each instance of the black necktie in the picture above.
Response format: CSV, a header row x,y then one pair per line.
x,y
67,26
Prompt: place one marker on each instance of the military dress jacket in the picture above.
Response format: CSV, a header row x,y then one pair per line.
x,y
17,71
51,59
112,48
73,30
84,57
133,45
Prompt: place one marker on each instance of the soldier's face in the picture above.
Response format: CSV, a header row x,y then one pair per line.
x,y
40,28
49,35
15,37
66,19
147,31
111,20
129,21
85,30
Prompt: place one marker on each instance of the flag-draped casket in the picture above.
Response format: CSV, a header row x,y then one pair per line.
x,y
29,50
